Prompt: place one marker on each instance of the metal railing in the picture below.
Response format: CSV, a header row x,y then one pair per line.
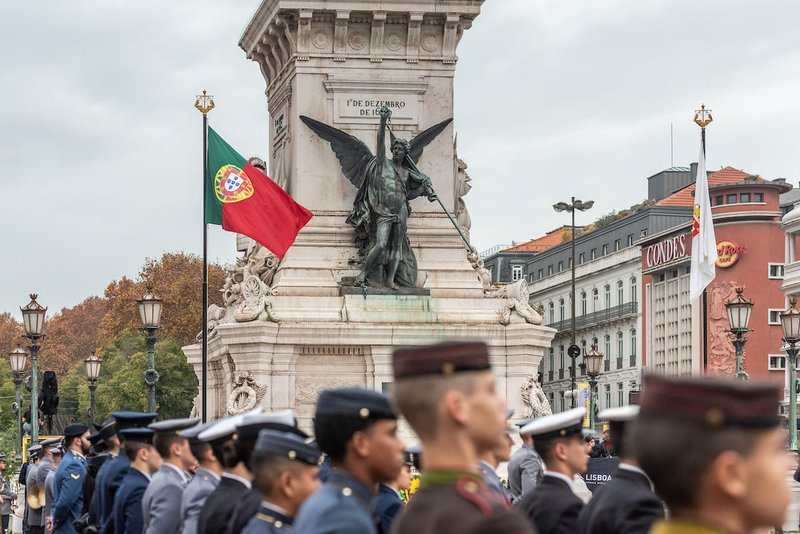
x,y
614,313
619,362
494,250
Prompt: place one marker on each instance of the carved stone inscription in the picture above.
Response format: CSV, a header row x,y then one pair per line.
x,y
350,107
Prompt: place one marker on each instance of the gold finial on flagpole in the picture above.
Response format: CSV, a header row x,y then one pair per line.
x,y
204,103
702,116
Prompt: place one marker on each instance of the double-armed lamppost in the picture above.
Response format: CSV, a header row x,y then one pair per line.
x,y
18,359
574,351
790,322
150,313
33,315
92,374
593,360
739,310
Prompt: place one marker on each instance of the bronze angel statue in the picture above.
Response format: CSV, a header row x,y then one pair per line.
x,y
381,208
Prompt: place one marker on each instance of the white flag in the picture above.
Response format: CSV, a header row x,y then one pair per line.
x,y
704,242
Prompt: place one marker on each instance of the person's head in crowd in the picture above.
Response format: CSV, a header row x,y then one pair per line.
x,y
138,446
171,445
558,439
76,438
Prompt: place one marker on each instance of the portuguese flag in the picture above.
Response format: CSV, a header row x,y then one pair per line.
x,y
243,199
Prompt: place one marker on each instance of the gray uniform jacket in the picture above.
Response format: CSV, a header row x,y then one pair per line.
x,y
34,516
8,495
524,471
48,492
194,497
46,466
161,503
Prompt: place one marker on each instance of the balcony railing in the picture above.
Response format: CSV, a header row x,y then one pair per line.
x,y
619,362
614,313
560,373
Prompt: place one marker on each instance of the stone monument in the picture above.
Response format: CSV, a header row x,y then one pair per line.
x,y
291,328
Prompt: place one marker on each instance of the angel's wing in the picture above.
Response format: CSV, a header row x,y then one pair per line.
x,y
421,140
352,153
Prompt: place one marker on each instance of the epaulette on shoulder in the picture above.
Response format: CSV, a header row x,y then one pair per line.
x,y
471,491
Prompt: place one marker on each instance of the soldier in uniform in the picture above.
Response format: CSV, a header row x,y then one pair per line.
x,y
34,500
6,495
552,505
525,467
357,429
490,460
627,503
162,499
447,394
389,501
105,445
144,461
57,453
285,468
732,477
46,466
68,480
205,480
110,475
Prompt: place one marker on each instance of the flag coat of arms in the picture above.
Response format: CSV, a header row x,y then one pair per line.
x,y
704,241
243,199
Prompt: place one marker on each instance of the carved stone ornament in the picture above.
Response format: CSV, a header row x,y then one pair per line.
x,y
254,300
483,273
246,394
357,40
393,41
321,40
431,42
517,297
534,401
721,352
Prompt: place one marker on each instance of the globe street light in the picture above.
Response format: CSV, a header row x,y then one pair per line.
x,y
150,313
33,315
574,350
739,310
790,322
593,360
92,374
18,359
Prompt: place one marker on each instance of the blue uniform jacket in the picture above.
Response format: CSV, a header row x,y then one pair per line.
x,y
108,481
342,506
126,515
387,505
268,521
68,492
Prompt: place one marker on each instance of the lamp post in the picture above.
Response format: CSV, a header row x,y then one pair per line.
x,y
739,310
790,322
575,204
150,313
33,315
92,374
18,359
593,360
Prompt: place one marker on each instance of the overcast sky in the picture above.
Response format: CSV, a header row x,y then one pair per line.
x,y
101,147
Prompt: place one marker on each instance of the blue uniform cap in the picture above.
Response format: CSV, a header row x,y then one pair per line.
x,y
173,426
355,403
75,429
128,419
141,435
287,445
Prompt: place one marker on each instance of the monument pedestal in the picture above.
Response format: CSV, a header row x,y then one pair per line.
x,y
292,328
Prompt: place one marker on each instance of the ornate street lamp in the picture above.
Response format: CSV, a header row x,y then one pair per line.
x,y
18,359
739,310
92,374
574,350
33,315
593,360
790,322
150,313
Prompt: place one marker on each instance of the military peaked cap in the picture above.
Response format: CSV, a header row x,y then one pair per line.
x,y
355,403
440,359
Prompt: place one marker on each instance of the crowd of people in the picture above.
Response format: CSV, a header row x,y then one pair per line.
x,y
259,473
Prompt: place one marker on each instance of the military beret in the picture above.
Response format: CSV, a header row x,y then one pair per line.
x,y
559,425
252,425
287,445
440,359
137,434
173,426
75,429
715,403
356,403
128,419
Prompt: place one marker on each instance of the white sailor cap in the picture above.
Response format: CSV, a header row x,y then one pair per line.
x,y
226,426
557,425
623,414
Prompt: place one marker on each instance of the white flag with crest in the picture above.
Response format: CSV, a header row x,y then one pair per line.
x,y
704,242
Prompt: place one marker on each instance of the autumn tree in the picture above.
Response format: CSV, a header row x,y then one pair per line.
x,y
72,335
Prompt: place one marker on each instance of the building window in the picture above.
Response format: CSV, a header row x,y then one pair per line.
x,y
630,240
607,294
581,258
608,396
569,263
593,254
562,401
720,200
643,232
561,366
516,273
607,355
634,291
617,245
731,199
549,270
560,309
744,198
774,316
551,360
541,274
605,250
620,344
776,271
633,342
620,293
560,266
583,346
583,302
759,197
552,314
777,362
594,299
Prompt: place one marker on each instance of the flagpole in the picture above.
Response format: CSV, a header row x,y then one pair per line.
x,y
702,117
204,104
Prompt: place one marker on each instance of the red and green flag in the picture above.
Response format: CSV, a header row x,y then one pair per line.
x,y
243,199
